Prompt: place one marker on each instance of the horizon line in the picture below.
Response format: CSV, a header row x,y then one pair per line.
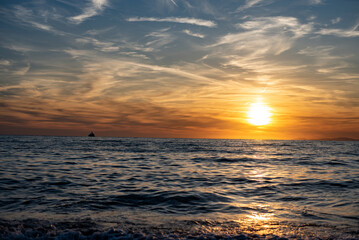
x,y
205,138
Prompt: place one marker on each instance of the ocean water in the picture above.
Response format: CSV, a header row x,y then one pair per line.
x,y
140,188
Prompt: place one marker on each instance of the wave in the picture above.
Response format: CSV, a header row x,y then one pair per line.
x,y
326,185
166,202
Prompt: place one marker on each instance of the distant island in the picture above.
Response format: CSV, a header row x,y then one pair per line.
x,y
91,134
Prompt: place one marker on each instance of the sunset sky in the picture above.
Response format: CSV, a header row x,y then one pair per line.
x,y
180,68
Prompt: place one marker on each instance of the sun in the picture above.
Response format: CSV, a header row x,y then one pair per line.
x,y
259,114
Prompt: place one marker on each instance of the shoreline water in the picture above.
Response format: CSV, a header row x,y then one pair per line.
x,y
200,229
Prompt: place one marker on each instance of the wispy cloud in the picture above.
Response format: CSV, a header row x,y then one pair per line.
x,y
249,4
22,13
322,51
174,3
94,32
198,35
315,2
28,17
193,21
34,18
255,50
5,62
100,45
95,7
22,70
159,38
335,20
164,5
22,48
41,26
324,60
353,32
272,24
339,32
266,35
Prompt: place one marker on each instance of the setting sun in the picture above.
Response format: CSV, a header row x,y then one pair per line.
x,y
259,114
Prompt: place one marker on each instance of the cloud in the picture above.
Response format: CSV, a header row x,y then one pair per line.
x,y
277,25
23,70
28,17
41,26
336,20
254,54
193,21
122,77
324,61
5,63
266,35
164,5
100,45
198,35
315,2
174,3
318,51
94,32
159,38
23,48
94,8
339,33
22,13
249,4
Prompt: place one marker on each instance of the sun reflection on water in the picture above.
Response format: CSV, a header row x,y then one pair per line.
x,y
261,216
259,223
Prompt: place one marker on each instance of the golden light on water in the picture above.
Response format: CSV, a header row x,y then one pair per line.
x,y
261,217
259,114
258,223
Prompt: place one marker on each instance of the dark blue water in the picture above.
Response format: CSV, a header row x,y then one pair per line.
x,y
115,188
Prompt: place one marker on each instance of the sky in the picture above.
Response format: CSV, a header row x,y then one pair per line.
x,y
180,68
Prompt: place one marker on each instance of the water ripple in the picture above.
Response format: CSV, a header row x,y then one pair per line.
x,y
297,180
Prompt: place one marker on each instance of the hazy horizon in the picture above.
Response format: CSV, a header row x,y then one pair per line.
x,y
158,137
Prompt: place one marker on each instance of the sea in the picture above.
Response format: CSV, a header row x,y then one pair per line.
x,y
162,188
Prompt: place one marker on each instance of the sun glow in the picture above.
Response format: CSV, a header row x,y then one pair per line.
x,y
259,114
